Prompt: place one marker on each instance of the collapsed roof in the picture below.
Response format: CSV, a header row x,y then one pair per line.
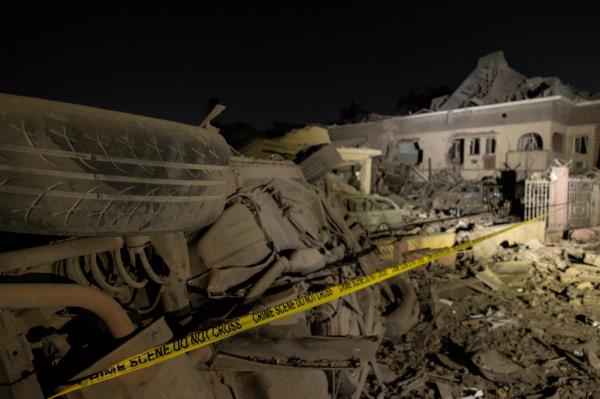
x,y
494,81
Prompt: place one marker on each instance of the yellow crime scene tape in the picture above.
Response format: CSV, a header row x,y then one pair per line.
x,y
231,327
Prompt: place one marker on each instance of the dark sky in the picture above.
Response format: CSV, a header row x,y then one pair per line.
x,y
288,64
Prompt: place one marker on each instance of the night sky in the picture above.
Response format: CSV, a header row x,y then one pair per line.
x,y
291,64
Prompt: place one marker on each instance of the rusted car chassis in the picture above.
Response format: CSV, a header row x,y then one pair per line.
x,y
121,232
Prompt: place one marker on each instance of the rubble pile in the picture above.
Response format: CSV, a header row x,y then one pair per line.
x,y
422,193
444,191
174,244
521,322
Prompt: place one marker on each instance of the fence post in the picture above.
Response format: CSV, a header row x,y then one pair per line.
x,y
558,202
596,203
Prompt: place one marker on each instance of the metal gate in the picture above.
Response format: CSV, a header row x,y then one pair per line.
x,y
580,202
536,198
583,204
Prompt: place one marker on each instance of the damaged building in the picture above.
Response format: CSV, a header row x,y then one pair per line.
x,y
497,119
131,242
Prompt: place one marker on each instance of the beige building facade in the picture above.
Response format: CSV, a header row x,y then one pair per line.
x,y
479,141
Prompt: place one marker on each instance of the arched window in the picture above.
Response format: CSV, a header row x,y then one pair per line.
x,y
530,142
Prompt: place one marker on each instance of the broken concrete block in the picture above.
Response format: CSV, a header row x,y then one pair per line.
x,y
454,290
580,273
585,286
495,366
591,259
576,253
490,279
446,361
511,267
445,391
583,234
512,273
561,264
522,235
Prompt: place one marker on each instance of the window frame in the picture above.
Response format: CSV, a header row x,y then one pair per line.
x,y
487,141
529,142
582,139
475,146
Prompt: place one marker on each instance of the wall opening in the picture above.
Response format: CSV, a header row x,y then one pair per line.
x,y
456,153
531,142
409,153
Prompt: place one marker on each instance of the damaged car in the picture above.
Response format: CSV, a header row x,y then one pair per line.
x,y
123,232
377,214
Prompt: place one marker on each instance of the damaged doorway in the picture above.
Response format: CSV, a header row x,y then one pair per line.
x,y
456,153
489,157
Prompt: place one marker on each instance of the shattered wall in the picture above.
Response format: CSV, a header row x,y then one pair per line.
x,y
495,99
508,122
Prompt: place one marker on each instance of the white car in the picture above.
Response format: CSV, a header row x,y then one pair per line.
x,y
376,213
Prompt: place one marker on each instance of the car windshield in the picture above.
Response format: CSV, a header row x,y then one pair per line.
x,y
382,205
361,204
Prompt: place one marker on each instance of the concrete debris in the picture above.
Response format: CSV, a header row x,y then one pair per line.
x,y
494,81
512,316
583,234
490,279
495,366
591,259
527,335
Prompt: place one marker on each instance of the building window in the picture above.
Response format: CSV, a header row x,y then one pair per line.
x,y
474,147
530,142
490,145
581,145
558,140
456,152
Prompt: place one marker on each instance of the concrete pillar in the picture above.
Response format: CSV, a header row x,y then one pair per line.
x,y
558,202
365,175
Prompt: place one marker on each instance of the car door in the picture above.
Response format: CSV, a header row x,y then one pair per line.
x,y
358,207
376,213
390,213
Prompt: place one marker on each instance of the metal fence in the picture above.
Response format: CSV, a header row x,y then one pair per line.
x,y
580,202
536,198
583,207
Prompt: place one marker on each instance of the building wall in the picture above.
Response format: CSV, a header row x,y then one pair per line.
x,y
435,145
507,122
577,131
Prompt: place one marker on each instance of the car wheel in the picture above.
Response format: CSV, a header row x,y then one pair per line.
x,y
383,228
72,170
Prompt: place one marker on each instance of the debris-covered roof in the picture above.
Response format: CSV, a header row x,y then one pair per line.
x,y
494,81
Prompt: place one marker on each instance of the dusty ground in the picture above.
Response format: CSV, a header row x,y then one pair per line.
x,y
522,323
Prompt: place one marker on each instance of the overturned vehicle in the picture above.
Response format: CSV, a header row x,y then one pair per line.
x,y
122,232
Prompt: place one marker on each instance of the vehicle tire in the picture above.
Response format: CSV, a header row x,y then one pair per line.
x,y
383,228
405,313
72,170
317,161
